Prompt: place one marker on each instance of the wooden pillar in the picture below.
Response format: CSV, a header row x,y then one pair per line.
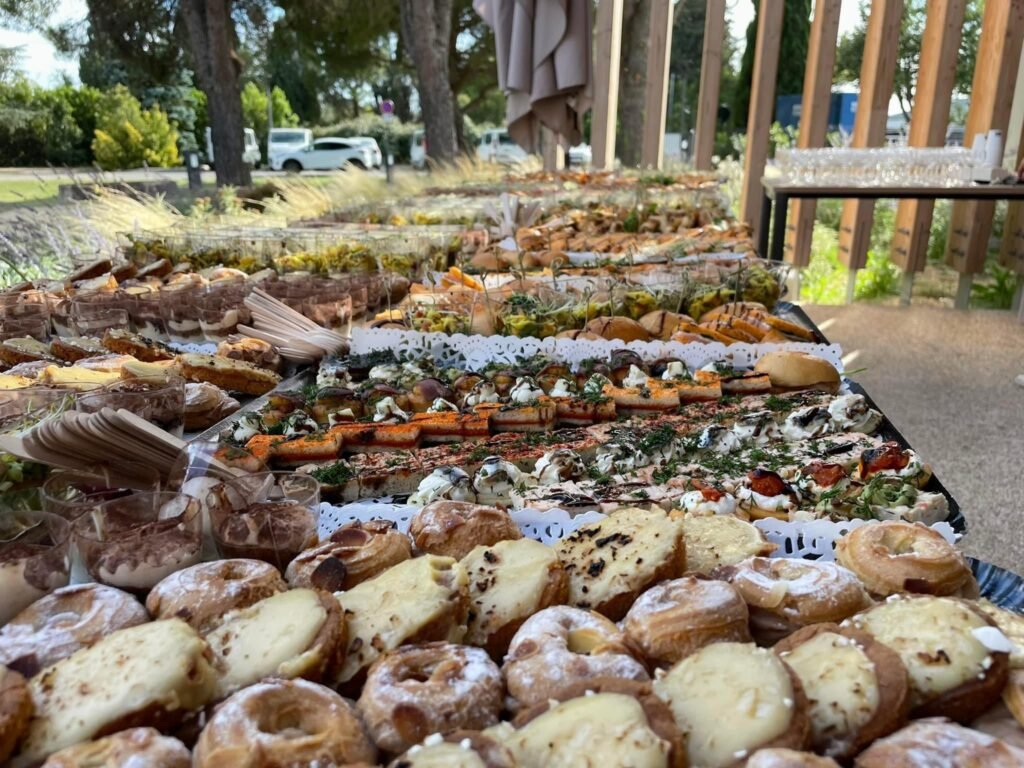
x,y
551,151
762,108
1002,29
608,42
1011,252
656,90
881,46
710,85
815,106
936,75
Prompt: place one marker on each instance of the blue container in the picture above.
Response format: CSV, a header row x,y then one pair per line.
x,y
841,113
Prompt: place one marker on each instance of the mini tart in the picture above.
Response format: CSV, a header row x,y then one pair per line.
x,y
154,674
417,601
938,742
618,727
857,688
947,646
893,557
461,749
135,746
455,528
715,540
298,633
15,711
733,698
677,618
613,560
785,594
509,582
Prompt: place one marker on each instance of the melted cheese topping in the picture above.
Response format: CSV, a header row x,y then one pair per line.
x,y
385,611
506,582
729,698
717,540
443,755
160,665
609,726
840,683
933,636
271,638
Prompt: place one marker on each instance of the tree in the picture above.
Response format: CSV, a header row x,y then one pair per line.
x,y
850,54
636,19
254,110
796,23
426,30
212,37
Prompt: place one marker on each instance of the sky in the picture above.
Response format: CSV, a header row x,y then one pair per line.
x,y
42,65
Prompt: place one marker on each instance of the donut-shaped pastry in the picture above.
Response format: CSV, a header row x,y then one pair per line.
x,y
560,646
63,622
788,758
15,711
419,690
454,528
550,730
282,723
126,749
786,594
461,749
202,594
676,618
940,743
956,658
893,557
354,553
857,688
716,540
733,698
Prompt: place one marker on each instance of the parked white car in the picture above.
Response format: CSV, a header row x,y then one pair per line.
x,y
496,146
418,149
250,148
325,154
369,141
280,141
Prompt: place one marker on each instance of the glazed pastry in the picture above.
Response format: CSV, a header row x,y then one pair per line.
x,y
788,758
893,557
63,622
508,583
462,749
630,728
677,618
561,646
205,405
283,723
15,711
732,699
203,594
354,553
938,743
98,689
956,657
126,749
612,561
418,690
857,687
256,351
298,633
417,601
454,528
712,541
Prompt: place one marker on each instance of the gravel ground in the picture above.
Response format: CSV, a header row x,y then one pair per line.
x,y
945,379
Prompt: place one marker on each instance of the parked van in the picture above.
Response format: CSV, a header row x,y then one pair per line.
x,y
496,146
284,140
250,148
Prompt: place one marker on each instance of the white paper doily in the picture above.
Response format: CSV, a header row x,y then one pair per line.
x,y
478,351
816,540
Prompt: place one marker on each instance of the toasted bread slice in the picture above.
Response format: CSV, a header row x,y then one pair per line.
x,y
261,446
232,375
76,348
656,397
308,449
24,350
445,427
577,412
125,343
538,416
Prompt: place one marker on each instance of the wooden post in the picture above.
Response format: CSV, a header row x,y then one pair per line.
x,y
1002,29
881,46
815,106
936,75
1011,252
762,108
710,84
656,91
608,40
551,150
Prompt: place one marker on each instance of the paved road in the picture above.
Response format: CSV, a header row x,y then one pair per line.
x,y
946,379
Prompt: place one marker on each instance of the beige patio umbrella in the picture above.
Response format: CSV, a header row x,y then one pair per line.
x,y
544,64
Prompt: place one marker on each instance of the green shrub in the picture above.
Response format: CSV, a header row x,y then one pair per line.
x,y
996,289
45,127
254,111
128,136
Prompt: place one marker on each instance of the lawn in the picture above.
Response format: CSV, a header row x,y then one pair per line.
x,y
28,191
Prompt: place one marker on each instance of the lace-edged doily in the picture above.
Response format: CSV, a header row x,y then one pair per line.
x,y
816,540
